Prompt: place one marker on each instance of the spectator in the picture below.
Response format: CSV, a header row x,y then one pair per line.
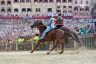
x,y
36,38
91,30
21,39
81,31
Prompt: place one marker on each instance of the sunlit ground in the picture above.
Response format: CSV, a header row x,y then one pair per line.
x,y
40,57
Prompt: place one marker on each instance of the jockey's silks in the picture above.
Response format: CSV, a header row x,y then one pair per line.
x,y
52,23
60,21
46,31
50,26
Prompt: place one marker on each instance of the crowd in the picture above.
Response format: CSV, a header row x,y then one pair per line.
x,y
81,26
13,28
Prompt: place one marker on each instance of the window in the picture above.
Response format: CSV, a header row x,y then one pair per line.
x,y
81,14
81,9
28,1
23,9
58,7
81,2
2,10
75,8
50,0
64,6
49,9
87,8
46,1
40,1
29,10
58,11
9,10
22,1
35,0
70,1
70,11
58,1
75,2
70,6
64,11
64,0
8,2
15,1
2,2
16,10
75,14
37,9
86,2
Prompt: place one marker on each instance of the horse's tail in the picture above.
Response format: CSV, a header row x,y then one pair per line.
x,y
71,34
74,36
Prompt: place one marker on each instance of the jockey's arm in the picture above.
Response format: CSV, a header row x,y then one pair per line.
x,y
62,18
50,21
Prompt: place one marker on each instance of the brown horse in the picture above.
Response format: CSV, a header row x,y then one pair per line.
x,y
54,35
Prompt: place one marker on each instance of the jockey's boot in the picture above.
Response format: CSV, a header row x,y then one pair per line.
x,y
43,36
42,40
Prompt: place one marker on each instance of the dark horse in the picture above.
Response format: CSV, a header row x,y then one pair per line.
x,y
57,35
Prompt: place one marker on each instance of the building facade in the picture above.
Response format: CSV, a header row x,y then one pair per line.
x,y
45,7
5,7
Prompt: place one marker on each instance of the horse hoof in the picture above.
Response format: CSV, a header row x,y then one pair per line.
x,y
48,53
31,52
60,52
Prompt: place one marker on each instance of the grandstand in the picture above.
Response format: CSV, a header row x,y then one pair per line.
x,y
13,27
20,26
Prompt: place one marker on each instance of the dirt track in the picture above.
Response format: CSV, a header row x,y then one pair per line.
x,y
40,57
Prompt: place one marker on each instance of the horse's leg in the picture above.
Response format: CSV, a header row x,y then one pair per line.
x,y
36,46
62,46
54,46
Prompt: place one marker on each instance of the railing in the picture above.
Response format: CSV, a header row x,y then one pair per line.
x,y
88,41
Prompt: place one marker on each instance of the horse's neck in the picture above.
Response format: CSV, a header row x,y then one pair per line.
x,y
41,29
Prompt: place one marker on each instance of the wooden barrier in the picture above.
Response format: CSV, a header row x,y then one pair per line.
x,y
87,39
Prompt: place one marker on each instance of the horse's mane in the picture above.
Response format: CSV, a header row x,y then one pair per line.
x,y
42,26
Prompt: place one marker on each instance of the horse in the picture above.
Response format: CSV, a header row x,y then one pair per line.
x,y
57,35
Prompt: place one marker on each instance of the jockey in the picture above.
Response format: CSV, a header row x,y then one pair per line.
x,y
59,21
51,25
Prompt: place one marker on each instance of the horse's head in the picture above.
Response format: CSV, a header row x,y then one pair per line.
x,y
38,23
